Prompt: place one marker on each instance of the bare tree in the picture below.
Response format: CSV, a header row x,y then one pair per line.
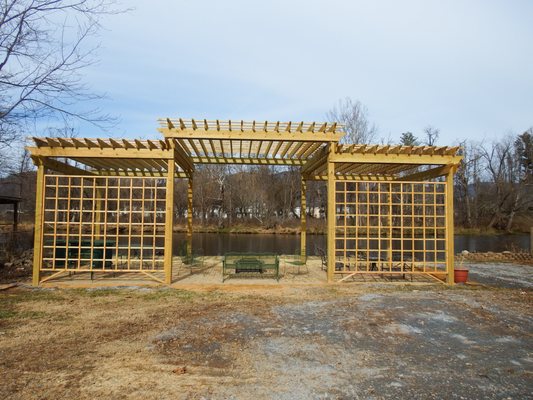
x,y
43,49
467,179
354,116
432,135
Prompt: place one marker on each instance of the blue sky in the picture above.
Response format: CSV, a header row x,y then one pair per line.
x,y
465,67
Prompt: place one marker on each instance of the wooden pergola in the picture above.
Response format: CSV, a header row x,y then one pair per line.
x,y
107,205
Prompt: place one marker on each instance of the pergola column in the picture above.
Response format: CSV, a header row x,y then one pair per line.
x,y
449,228
303,218
169,221
331,213
189,217
38,227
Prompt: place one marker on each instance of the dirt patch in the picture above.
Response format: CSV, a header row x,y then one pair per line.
x,y
292,343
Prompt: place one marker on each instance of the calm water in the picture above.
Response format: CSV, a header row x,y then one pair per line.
x,y
220,243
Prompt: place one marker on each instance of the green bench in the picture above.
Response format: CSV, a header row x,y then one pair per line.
x,y
84,250
250,263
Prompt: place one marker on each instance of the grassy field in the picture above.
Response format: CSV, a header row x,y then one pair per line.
x,y
264,342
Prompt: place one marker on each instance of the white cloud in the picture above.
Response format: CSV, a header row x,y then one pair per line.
x,y
461,66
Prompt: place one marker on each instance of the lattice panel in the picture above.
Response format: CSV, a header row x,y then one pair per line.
x,y
103,223
390,227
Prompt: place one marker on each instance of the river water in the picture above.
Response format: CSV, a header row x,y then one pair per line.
x,y
215,244
221,243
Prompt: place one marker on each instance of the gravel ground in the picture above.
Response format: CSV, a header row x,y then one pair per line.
x,y
372,341
502,275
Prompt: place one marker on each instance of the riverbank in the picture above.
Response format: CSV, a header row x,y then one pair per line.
x,y
314,227
319,230
246,229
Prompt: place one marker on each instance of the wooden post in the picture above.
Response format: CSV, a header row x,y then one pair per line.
x,y
303,220
331,214
169,221
189,217
38,228
449,228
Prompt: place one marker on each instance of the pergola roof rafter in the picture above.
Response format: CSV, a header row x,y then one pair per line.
x,y
266,140
189,142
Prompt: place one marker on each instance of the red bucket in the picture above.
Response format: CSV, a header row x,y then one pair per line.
x,y
460,275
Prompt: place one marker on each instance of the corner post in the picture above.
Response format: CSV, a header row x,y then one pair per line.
x,y
189,217
331,218
169,221
449,228
303,218
38,227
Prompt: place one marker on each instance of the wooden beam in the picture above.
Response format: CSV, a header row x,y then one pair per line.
x,y
97,152
169,222
38,227
247,160
252,135
296,148
65,143
331,217
395,158
170,124
449,228
303,220
429,174
89,143
311,149
358,177
154,174
53,142
183,159
276,149
64,168
103,144
189,216
317,159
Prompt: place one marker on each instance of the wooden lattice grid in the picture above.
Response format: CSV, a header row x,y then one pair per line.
x,y
390,227
103,223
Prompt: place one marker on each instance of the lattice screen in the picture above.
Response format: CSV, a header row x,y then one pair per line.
x,y
103,223
391,227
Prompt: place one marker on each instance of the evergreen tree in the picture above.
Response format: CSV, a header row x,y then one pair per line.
x,y
408,139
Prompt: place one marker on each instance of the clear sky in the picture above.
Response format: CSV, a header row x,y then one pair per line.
x,y
463,66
